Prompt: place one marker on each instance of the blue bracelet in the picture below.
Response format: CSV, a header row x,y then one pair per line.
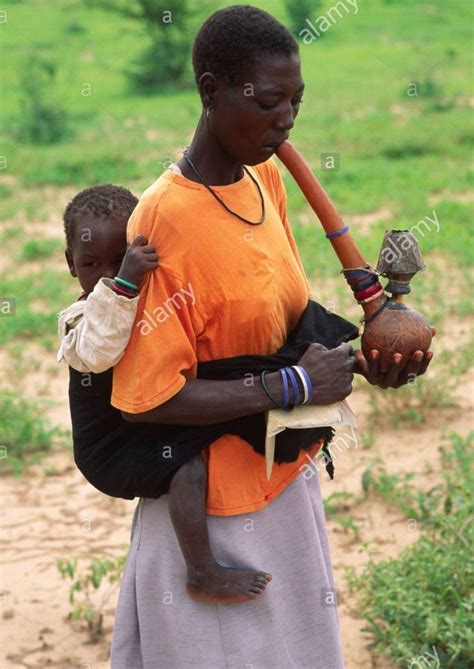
x,y
286,394
337,233
308,381
294,385
267,392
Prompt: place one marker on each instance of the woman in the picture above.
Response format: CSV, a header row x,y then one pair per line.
x,y
230,283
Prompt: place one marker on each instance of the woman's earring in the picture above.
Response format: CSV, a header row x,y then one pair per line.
x,y
208,111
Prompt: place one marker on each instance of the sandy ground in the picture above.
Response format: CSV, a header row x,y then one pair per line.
x,y
53,513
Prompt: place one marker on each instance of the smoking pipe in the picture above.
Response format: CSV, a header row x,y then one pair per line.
x,y
389,325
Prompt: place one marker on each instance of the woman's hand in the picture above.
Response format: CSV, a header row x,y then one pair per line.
x,y
394,377
331,372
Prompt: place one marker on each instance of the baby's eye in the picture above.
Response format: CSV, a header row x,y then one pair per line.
x,y
296,103
91,264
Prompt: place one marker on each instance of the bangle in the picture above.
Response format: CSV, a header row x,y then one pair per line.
x,y
294,385
121,291
309,382
307,387
337,233
286,394
127,284
267,392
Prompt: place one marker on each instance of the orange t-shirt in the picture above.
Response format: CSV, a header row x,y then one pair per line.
x,y
224,288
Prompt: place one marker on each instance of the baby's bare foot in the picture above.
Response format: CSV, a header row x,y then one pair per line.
x,y
224,585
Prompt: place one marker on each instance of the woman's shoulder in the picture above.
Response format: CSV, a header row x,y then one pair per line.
x,y
159,201
154,194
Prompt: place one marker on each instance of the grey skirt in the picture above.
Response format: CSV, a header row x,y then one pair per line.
x,y
293,624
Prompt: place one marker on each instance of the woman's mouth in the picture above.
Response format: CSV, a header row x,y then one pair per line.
x,y
272,147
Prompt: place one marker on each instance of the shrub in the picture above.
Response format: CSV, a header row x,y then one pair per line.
x,y
420,604
300,10
164,60
25,434
41,119
84,596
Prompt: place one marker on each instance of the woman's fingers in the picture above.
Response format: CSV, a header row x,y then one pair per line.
x,y
425,362
414,364
362,366
374,363
391,378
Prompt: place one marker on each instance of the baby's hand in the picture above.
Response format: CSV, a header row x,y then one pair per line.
x,y
140,258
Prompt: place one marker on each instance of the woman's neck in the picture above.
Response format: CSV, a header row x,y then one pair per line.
x,y
215,166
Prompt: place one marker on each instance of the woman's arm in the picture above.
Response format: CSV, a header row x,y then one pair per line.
x,y
203,402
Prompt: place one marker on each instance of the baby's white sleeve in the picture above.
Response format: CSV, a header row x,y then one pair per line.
x,y
95,332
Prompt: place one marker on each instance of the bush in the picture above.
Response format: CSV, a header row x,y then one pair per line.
x,y
25,434
420,604
86,593
168,25
160,64
42,120
300,10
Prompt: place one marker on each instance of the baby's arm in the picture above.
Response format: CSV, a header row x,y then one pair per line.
x,y
94,333
95,340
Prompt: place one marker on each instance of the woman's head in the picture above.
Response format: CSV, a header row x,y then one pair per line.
x,y
95,224
247,68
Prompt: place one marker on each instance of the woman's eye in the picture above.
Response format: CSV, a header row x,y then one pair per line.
x,y
267,105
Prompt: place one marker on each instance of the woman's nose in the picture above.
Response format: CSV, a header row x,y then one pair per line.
x,y
286,120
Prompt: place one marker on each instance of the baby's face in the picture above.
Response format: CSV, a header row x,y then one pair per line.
x,y
98,250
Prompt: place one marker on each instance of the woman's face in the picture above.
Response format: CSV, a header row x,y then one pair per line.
x,y
250,118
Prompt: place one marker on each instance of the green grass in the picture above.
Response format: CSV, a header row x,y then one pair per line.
x,y
423,599
25,434
39,249
414,403
395,150
38,299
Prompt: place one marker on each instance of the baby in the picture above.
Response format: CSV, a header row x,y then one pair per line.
x,y
112,453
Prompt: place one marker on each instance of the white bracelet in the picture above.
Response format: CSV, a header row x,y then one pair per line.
x,y
304,382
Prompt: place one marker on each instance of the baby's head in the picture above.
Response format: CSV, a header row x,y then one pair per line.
x,y
95,223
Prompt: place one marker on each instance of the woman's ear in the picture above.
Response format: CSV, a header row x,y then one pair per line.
x,y
208,89
70,263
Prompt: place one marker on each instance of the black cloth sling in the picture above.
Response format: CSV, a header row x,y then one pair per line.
x,y
129,459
